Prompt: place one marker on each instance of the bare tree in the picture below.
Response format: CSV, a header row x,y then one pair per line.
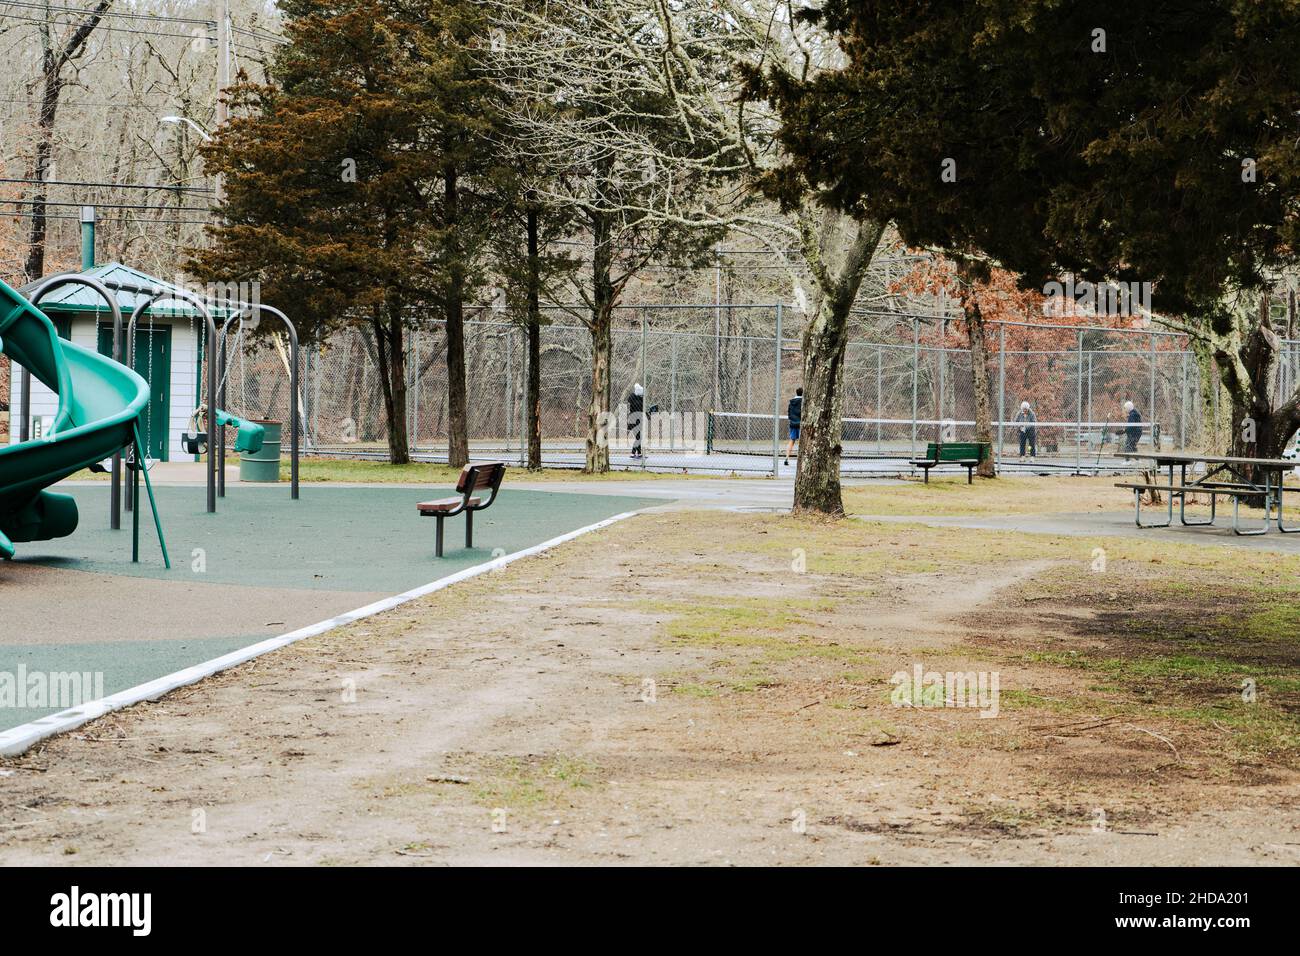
x,y
56,56
588,94
673,77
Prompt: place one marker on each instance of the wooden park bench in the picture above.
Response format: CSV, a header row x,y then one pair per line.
x,y
967,454
473,478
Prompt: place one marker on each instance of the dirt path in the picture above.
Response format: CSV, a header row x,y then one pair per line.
x,y
659,692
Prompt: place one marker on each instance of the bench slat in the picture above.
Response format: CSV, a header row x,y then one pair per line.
x,y
444,504
1194,489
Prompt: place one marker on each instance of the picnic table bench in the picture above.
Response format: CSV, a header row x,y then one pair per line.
x,y
473,478
967,454
1226,476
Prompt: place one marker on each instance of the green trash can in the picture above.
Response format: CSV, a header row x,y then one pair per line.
x,y
263,465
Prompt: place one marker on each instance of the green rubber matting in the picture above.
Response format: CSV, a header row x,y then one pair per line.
x,y
69,675
349,539
263,565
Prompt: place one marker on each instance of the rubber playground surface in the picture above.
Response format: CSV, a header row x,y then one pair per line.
x,y
262,566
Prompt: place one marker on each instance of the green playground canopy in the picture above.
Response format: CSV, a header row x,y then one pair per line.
x,y
80,298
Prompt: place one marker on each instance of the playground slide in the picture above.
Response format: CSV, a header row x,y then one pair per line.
x,y
100,402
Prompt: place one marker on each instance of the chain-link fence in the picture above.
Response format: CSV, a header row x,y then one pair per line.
x,y
719,398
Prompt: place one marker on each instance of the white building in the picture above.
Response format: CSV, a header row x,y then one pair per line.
x,y
168,354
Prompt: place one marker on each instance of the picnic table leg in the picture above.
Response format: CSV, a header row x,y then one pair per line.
x,y
1137,503
1281,527
1182,504
1268,511
1170,502
469,530
437,550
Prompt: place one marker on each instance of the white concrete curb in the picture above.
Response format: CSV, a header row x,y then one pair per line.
x,y
18,739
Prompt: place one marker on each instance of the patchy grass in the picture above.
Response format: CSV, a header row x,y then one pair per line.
x,y
1223,653
535,782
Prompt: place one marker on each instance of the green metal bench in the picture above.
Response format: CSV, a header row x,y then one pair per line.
x,y
967,454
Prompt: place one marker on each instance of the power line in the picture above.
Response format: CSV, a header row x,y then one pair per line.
x,y
14,214
107,29
105,205
71,182
258,35
107,13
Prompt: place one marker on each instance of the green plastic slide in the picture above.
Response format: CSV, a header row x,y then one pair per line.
x,y
100,402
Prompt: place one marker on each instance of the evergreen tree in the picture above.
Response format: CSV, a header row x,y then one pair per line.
x,y
1141,143
346,183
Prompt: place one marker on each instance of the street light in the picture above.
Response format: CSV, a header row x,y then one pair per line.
x,y
185,119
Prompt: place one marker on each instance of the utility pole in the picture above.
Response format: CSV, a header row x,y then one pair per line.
x,y
223,75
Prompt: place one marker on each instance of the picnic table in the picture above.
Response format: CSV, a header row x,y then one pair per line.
x,y
1223,475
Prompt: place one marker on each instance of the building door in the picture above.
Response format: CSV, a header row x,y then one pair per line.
x,y
153,357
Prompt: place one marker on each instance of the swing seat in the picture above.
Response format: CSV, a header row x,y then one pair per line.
x,y
194,443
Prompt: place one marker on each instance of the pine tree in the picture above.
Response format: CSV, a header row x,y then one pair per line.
x,y
345,183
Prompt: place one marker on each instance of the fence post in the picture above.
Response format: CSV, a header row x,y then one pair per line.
x,y
413,437
1151,415
943,376
776,399
1002,389
749,385
1078,407
916,369
645,399
672,393
1182,405
880,371
510,386
315,402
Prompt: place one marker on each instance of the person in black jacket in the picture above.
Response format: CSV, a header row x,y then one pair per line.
x,y
794,412
635,417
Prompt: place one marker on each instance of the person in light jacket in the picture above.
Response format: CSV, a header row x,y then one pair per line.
x,y
1028,431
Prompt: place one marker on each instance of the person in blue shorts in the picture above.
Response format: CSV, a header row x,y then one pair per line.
x,y
794,412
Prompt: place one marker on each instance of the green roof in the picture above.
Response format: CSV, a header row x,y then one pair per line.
x,y
80,298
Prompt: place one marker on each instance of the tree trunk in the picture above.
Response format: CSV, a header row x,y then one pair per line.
x,y
1261,425
391,359
976,335
817,475
52,63
454,308
599,425
1213,434
533,398
35,266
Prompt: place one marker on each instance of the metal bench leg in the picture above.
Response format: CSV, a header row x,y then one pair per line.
x,y
970,473
437,550
469,530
